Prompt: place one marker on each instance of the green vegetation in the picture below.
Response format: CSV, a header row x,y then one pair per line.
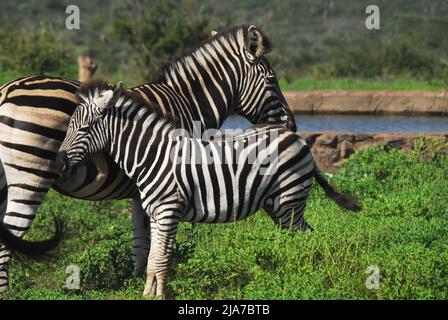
x,y
322,44
403,229
25,51
315,83
169,29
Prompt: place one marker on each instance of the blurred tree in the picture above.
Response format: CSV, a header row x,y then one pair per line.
x,y
429,7
151,32
327,8
31,50
160,30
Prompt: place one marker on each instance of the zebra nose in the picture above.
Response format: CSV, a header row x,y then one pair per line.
x,y
62,163
290,120
291,124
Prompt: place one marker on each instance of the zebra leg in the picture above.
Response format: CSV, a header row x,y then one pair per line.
x,y
4,252
287,219
4,260
162,240
289,214
140,227
18,218
25,193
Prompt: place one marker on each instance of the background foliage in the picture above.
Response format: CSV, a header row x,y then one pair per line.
x,y
323,39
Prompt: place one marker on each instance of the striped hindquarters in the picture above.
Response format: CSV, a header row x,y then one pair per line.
x,y
34,115
264,168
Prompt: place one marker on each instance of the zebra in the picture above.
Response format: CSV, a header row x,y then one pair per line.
x,y
181,178
227,73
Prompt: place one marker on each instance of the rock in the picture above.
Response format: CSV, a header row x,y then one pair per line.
x,y
325,157
346,137
362,137
345,149
395,140
310,138
340,163
330,150
327,139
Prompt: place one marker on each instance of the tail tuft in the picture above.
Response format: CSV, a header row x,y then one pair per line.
x,y
346,201
36,250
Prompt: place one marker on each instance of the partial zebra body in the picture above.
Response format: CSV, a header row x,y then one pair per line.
x,y
187,179
34,114
33,121
227,73
241,175
212,181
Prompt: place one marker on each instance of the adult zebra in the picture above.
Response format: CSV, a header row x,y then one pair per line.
x,y
227,72
186,179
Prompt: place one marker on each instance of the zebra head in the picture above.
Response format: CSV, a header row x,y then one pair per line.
x,y
260,99
86,133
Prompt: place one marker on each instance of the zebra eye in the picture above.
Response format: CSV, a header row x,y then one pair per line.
x,y
84,129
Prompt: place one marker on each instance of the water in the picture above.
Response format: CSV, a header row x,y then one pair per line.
x,y
357,123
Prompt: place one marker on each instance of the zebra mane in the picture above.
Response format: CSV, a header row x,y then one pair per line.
x,y
229,35
89,88
92,87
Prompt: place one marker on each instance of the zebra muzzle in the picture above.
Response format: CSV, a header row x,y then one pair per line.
x,y
291,125
62,163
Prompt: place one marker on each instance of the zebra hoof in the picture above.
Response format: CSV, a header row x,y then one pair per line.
x,y
154,287
4,288
4,284
151,285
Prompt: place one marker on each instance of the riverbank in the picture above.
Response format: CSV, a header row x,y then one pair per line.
x,y
400,102
332,149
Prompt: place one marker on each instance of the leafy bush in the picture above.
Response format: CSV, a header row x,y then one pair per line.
x,y
35,51
160,31
107,262
398,58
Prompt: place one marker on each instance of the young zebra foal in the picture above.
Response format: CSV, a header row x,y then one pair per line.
x,y
185,179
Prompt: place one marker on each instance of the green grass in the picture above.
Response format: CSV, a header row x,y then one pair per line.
x,y
302,84
309,83
403,230
6,76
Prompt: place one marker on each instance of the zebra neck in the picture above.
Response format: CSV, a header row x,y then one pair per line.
x,y
199,90
136,136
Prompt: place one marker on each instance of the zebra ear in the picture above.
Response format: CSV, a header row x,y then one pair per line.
x,y
257,44
108,99
118,89
214,33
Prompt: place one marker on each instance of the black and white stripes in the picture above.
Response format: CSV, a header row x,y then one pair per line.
x,y
228,73
187,179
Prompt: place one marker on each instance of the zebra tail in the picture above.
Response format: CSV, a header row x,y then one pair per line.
x,y
36,250
346,201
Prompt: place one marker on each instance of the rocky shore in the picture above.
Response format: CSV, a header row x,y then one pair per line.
x,y
331,149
